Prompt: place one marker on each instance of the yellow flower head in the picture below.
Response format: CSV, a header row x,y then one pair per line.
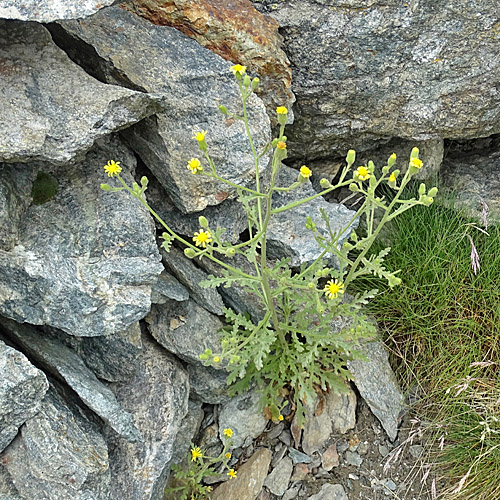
x,y
305,171
202,238
392,177
231,473
216,359
238,69
362,173
228,455
416,162
196,453
194,165
228,432
281,110
333,288
200,136
281,145
112,168
281,417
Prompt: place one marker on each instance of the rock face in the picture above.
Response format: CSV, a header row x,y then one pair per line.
x,y
193,82
85,259
237,32
368,71
45,11
158,399
43,118
65,364
22,388
58,455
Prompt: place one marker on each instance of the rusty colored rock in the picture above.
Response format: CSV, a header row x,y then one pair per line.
x,y
236,31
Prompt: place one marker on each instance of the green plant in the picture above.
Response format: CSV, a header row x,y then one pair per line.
x,y
443,324
188,481
298,346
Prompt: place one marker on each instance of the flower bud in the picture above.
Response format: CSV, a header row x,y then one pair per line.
x,y
433,192
414,153
230,252
223,109
275,142
105,187
255,83
144,181
311,285
385,169
353,187
427,200
422,189
203,221
391,160
351,157
135,187
325,183
189,253
246,81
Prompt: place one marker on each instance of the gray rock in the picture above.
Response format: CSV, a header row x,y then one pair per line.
x,y
378,386
22,387
43,116
65,364
277,481
191,276
330,458
330,492
470,178
298,457
195,83
58,455
243,414
398,70
189,427
208,384
158,399
287,235
292,492
337,414
7,489
167,287
185,329
416,450
353,458
45,11
85,259
15,197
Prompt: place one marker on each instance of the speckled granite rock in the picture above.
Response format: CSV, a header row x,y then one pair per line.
x,y
85,259
45,11
193,82
22,388
43,118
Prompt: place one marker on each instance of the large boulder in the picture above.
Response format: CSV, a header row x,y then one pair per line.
x,y
85,259
52,110
158,399
128,50
22,388
59,454
45,11
368,71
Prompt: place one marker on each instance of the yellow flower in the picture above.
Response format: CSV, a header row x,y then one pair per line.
x,y
228,432
362,173
392,177
231,473
196,453
416,162
201,238
281,145
200,136
281,417
216,359
228,455
238,69
194,165
281,110
305,171
112,168
333,288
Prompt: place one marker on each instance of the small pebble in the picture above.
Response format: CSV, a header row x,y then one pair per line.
x,y
416,450
300,471
383,450
363,448
353,458
286,438
298,457
353,476
389,483
342,446
330,458
275,431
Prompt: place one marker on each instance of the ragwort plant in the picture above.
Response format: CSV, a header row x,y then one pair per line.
x,y
295,348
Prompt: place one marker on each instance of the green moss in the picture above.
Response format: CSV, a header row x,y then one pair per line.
x,y
44,188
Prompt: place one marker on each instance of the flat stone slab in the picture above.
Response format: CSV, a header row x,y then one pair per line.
x,y
52,110
85,259
22,388
45,11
